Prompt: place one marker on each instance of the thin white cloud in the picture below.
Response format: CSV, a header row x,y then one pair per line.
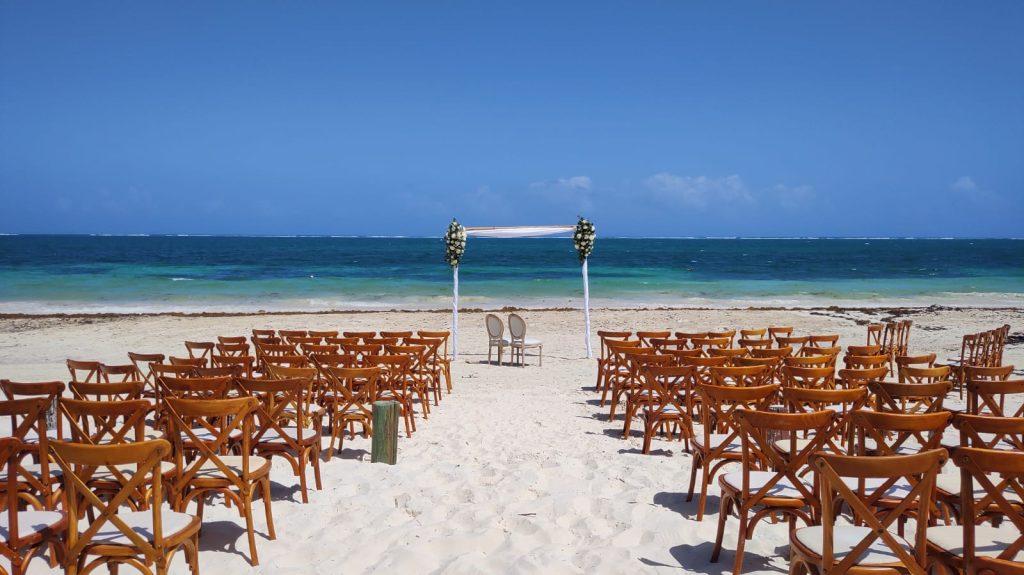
x,y
570,183
964,184
793,198
699,191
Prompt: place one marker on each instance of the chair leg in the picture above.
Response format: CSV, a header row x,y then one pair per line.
x,y
302,475
723,516
741,540
693,478
267,507
250,530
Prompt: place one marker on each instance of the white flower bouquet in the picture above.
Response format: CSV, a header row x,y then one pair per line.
x,y
583,238
454,243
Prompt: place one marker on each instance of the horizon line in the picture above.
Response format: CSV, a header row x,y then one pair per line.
x,y
403,236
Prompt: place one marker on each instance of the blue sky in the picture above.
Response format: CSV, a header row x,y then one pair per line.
x,y
657,118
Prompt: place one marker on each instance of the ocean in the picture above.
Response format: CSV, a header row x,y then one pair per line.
x,y
141,274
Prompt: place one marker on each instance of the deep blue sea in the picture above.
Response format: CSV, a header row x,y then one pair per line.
x,y
43,274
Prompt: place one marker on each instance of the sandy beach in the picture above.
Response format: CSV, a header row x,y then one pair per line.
x,y
517,471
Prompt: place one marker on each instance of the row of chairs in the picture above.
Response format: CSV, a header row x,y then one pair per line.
x,y
210,431
984,349
892,336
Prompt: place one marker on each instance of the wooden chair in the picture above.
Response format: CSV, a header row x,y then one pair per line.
x,y
752,334
864,350
100,392
818,361
207,426
976,373
48,391
809,377
616,366
246,362
444,362
771,482
872,546
720,443
829,340
796,343
784,351
323,334
645,337
435,362
740,376
195,362
38,483
875,331
401,334
775,332
84,371
349,401
926,360
393,385
994,489
119,373
232,349
359,334
729,334
23,533
730,352
114,536
200,350
989,397
519,343
279,400
866,362
773,366
708,343
421,376
628,387
231,339
666,403
909,397
264,333
143,363
843,402
855,377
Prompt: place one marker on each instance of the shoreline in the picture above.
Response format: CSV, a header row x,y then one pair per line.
x,y
903,310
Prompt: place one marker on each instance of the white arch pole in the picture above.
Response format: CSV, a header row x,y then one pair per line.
x,y
586,308
455,312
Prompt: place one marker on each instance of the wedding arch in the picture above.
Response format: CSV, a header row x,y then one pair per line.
x,y
455,246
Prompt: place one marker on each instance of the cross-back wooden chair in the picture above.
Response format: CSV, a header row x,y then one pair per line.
x,y
360,334
837,548
616,366
843,402
628,387
400,334
645,337
925,360
809,377
264,333
322,360
200,349
994,541
297,360
119,373
247,363
771,481
857,350
665,403
990,397
38,482
421,376
866,361
909,374
823,340
444,362
978,373
875,335
435,361
908,397
299,340
232,349
681,355
100,392
393,385
719,441
308,348
165,370
773,366
730,334
265,340
903,336
49,391
784,351
691,335
84,371
143,361
708,343
277,434
231,339
349,401
195,362
362,352
819,361
323,333
287,333
24,533
752,344
315,387
860,377
730,352
761,333
663,344
796,342
740,376
207,428
112,535
774,332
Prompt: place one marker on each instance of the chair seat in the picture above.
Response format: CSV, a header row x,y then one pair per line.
x,y
898,490
257,466
206,436
989,541
297,434
758,479
173,524
528,342
30,522
949,484
668,409
845,538
717,439
909,446
502,342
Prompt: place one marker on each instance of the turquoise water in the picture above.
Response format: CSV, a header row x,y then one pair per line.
x,y
168,273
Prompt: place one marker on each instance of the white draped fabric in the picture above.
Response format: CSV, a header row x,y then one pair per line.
x,y
518,232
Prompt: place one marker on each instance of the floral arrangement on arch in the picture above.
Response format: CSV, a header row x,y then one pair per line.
x,y
454,243
583,238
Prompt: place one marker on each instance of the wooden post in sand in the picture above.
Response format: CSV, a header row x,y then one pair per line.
x,y
384,448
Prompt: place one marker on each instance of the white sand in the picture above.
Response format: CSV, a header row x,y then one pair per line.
x,y
518,471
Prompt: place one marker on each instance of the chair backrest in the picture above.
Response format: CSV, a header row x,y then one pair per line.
x,y
827,340
794,342
856,377
233,349
990,397
139,488
664,343
443,335
208,388
108,391
919,375
11,451
730,334
681,355
864,350
230,339
119,373
703,366
516,327
909,397
706,343
246,362
820,361
399,334
143,361
905,361
731,352
742,376
775,332
308,348
163,370
866,361
894,433
784,351
394,373
875,335
755,343
920,469
990,432
286,333
362,352
258,333
304,339
48,391
106,422
207,427
84,371
668,387
359,334
997,474
843,402
352,387
279,400
28,425
721,403
323,334
754,333
189,361
809,377
200,349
